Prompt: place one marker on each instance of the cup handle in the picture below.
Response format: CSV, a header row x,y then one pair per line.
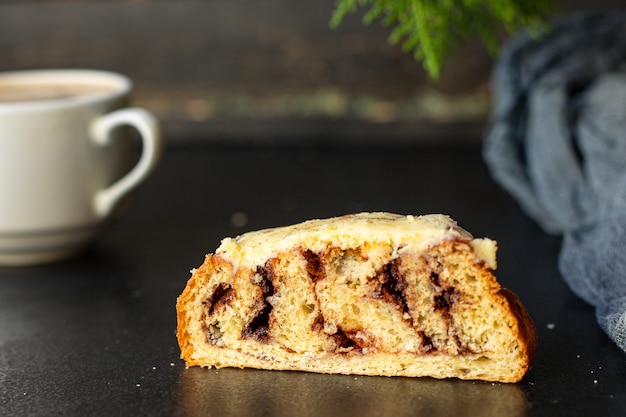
x,y
152,146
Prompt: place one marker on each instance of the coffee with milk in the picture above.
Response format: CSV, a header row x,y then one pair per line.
x,y
16,92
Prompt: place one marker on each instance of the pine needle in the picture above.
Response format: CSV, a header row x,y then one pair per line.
x,y
430,28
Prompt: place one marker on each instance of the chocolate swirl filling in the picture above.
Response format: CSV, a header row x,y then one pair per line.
x,y
259,327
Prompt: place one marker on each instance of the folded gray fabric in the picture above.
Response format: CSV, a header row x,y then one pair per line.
x,y
557,142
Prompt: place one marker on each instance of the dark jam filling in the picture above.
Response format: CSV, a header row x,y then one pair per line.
x,y
259,327
347,341
222,295
445,300
393,285
314,265
427,343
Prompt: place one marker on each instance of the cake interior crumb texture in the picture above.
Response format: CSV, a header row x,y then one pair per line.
x,y
369,294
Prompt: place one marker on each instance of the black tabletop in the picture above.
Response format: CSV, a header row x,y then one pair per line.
x,y
95,335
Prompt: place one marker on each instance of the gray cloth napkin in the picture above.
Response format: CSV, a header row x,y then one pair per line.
x,y
557,142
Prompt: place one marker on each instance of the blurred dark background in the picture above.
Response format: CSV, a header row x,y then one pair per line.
x,y
252,70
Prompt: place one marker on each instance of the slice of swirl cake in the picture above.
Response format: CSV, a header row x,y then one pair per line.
x,y
369,294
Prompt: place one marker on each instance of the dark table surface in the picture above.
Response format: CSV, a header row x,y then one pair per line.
x,y
95,335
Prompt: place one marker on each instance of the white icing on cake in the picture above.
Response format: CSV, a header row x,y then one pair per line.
x,y
349,232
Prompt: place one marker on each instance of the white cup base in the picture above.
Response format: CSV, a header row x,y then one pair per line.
x,y
25,249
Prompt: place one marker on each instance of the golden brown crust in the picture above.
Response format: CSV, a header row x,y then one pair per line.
x,y
526,330
186,300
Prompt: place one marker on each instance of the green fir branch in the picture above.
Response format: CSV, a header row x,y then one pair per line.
x,y
429,28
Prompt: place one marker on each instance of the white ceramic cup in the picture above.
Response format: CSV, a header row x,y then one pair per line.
x,y
65,162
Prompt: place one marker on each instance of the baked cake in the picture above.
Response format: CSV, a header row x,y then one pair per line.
x,y
368,294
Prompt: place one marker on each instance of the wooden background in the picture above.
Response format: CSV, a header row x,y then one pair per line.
x,y
246,69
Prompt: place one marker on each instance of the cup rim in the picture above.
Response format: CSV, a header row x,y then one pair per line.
x,y
120,86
